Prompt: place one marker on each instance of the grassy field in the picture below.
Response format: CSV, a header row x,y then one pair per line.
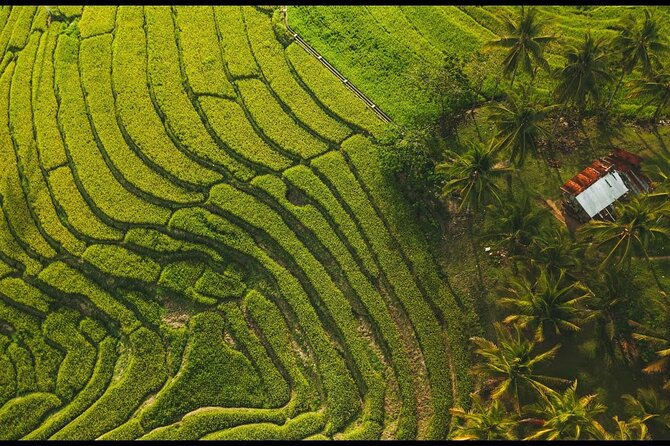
x,y
380,47
196,241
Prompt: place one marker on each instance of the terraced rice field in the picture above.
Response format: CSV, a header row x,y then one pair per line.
x,y
196,240
380,47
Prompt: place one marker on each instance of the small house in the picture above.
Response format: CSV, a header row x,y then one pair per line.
x,y
592,192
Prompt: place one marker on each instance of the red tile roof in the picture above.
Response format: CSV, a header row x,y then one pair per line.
x,y
619,159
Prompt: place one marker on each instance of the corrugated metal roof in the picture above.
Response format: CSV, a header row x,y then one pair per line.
x,y
602,193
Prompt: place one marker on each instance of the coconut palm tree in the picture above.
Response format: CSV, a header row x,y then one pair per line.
x,y
659,339
638,45
525,42
508,367
568,417
473,176
649,407
546,306
637,225
633,429
484,422
515,223
611,290
584,75
555,250
518,123
656,89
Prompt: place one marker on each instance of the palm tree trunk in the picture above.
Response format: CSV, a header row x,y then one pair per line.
x,y
616,90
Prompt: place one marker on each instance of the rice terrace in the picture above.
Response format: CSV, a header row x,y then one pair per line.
x,y
334,222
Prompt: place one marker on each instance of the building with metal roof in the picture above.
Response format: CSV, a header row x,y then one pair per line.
x,y
592,192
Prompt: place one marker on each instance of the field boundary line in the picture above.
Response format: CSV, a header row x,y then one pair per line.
x,y
307,47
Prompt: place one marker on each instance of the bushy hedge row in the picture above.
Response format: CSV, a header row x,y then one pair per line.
x,y
276,388
107,193
369,297
331,91
77,366
271,323
231,125
7,378
134,106
237,53
22,414
38,362
71,281
430,336
5,269
341,394
102,375
22,27
269,55
93,329
172,99
198,423
11,191
10,20
95,64
309,184
163,243
24,367
275,123
336,305
19,291
76,211
21,124
144,373
212,374
119,261
49,141
5,10
297,428
201,52
12,250
97,20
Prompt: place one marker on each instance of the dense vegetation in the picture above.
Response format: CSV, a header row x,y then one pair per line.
x,y
553,300
206,235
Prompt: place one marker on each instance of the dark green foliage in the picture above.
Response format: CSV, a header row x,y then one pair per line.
x,y
408,158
